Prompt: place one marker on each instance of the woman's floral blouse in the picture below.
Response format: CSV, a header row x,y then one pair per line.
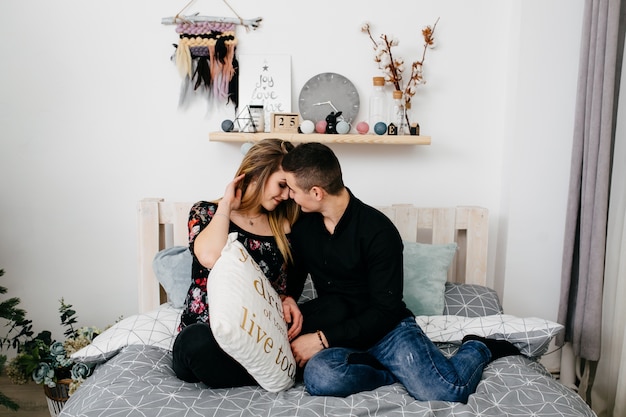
x,y
263,250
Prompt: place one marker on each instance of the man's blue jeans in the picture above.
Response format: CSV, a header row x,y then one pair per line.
x,y
407,356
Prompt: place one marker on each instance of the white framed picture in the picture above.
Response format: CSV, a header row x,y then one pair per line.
x,y
265,80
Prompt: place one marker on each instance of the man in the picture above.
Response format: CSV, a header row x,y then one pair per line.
x,y
358,334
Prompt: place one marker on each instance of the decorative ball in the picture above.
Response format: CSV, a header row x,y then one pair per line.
x,y
320,127
228,125
380,128
343,127
362,128
307,126
245,147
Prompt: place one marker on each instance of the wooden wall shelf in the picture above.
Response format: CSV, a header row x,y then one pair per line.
x,y
318,137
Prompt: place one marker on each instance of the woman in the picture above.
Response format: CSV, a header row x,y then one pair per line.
x,y
256,205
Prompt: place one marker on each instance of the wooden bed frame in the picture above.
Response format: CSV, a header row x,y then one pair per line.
x,y
163,224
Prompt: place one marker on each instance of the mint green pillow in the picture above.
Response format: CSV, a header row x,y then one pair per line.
x,y
425,275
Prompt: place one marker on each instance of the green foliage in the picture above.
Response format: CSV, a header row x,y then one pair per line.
x,y
8,403
19,329
47,361
68,319
32,353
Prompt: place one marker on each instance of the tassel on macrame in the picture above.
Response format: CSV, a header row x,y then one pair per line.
x,y
205,59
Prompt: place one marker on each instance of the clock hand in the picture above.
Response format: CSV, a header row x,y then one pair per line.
x,y
326,102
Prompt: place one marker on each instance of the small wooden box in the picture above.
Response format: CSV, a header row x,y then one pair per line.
x,y
284,122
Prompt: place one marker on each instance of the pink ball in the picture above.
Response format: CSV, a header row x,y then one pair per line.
x,y
362,128
320,127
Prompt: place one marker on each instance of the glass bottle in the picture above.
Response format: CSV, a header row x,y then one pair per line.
x,y
258,118
398,113
378,103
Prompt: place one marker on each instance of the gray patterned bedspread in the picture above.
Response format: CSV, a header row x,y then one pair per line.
x,y
139,381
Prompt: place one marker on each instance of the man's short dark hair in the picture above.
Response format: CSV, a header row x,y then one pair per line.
x,y
314,164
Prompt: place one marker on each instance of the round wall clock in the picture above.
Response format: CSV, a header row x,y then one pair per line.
x,y
328,92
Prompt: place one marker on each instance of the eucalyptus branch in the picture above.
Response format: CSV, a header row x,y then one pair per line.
x,y
68,319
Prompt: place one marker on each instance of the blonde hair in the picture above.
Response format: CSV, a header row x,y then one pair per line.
x,y
260,162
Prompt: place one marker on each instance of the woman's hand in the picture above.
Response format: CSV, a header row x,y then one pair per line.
x,y
232,194
292,316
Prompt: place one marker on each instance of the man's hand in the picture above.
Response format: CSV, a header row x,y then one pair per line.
x,y
304,347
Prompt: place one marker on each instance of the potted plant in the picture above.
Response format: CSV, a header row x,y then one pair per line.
x,y
44,360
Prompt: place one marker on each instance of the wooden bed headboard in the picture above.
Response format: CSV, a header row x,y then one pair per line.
x,y
163,224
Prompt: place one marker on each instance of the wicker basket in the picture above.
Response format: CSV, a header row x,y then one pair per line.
x,y
57,396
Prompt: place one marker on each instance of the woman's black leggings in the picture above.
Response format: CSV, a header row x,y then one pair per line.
x,y
197,357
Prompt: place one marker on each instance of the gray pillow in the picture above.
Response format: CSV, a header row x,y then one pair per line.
x,y
172,267
425,275
471,300
308,292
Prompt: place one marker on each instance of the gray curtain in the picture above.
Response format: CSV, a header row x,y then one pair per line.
x,y
580,308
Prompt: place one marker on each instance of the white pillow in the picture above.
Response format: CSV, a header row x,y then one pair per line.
x,y
246,317
530,335
155,328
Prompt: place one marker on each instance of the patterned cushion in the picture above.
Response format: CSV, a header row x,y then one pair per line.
x,y
156,328
308,292
530,335
471,300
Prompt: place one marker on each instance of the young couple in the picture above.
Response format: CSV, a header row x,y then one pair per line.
x,y
294,215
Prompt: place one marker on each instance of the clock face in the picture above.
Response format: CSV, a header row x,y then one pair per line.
x,y
328,92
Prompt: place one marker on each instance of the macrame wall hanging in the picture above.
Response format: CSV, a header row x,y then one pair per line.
x,y
205,55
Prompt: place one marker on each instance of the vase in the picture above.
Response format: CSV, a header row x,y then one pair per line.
x,y
412,127
57,396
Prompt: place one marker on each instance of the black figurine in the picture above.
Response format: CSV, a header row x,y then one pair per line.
x,y
331,122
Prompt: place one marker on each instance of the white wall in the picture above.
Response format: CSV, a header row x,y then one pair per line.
x,y
90,125
538,154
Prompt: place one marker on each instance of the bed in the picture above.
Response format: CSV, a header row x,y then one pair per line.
x,y
134,374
